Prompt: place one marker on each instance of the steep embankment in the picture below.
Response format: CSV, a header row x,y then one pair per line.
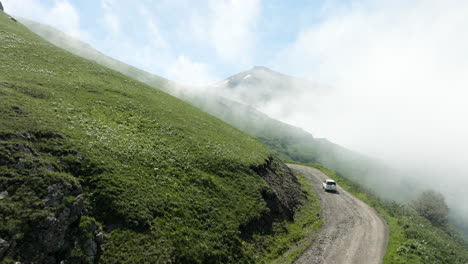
x,y
96,166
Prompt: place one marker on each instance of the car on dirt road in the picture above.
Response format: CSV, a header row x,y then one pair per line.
x,y
329,185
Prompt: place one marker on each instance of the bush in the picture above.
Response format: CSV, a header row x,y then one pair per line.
x,y
431,205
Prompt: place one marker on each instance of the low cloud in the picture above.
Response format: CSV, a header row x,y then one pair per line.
x,y
111,19
399,71
152,25
189,73
112,23
395,67
61,14
231,28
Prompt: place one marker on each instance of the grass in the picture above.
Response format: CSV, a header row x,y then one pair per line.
x,y
412,238
300,233
291,238
166,181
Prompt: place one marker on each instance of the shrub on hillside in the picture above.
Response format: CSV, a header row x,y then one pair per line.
x,y
431,205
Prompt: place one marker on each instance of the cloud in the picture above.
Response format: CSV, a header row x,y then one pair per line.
x,y
228,26
399,68
107,4
111,20
153,29
232,28
224,26
185,71
399,71
112,23
61,14
64,15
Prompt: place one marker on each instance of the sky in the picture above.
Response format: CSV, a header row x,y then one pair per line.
x,y
193,42
396,71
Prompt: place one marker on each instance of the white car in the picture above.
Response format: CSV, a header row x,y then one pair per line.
x,y
329,185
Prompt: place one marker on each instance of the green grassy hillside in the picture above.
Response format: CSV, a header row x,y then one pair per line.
x,y
288,142
95,166
84,50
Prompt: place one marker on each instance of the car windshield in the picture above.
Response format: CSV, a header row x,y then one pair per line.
x,y
331,183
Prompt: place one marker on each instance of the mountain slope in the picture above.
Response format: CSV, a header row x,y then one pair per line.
x,y
295,144
260,85
84,50
256,86
95,166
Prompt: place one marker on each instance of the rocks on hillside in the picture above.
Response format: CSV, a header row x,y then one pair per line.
x,y
42,207
282,196
4,245
1,6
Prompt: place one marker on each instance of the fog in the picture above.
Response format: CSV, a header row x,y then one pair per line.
x,y
393,85
398,72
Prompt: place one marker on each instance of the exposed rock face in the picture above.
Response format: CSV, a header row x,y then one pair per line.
x,y
42,203
90,243
1,6
283,196
4,245
287,194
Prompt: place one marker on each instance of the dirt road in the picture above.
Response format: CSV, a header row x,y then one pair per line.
x,y
352,232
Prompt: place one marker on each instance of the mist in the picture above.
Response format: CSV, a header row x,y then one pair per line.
x,y
390,82
398,78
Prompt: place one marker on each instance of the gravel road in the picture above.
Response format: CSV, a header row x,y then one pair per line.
x,y
353,232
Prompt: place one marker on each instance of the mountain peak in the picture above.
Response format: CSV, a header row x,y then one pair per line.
x,y
263,68
260,85
1,6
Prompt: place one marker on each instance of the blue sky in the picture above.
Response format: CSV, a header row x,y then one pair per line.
x,y
211,38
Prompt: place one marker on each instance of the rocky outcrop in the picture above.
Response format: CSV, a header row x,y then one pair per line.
x,y
1,7
42,204
285,194
282,196
53,233
4,245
